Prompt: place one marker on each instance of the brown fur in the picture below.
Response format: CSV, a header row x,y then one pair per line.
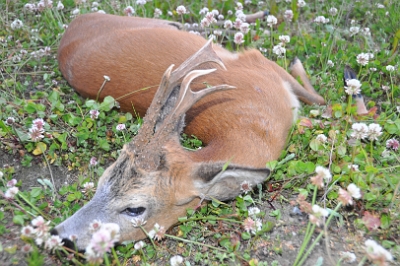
x,y
258,111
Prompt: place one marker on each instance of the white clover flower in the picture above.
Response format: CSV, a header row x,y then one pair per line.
x,y
210,17
245,27
60,6
245,186
11,192
38,123
136,222
238,22
228,24
28,231
271,20
321,20
102,241
354,30
366,31
27,248
94,226
354,191
288,15
88,186
374,131
319,211
376,252
363,59
121,127
152,233
53,242
390,144
205,23
253,211
16,24
333,11
330,63
157,13
238,38
10,120
35,134
284,38
141,2
301,3
353,86
353,167
321,138
240,15
348,257
94,114
181,10
139,245
379,5
41,227
75,12
390,68
30,7
360,130
279,50
204,11
324,173
258,224
129,11
93,161
176,260
217,32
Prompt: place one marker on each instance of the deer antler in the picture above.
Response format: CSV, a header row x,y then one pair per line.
x,y
169,81
172,100
187,97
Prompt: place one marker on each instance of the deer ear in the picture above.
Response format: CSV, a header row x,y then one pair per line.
x,y
213,180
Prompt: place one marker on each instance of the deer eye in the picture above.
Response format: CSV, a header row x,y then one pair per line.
x,y
134,211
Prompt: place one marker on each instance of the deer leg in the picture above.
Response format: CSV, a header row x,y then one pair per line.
x,y
305,93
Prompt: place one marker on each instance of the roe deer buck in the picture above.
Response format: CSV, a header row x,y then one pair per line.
x,y
154,178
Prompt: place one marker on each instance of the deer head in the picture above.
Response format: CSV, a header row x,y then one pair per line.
x,y
154,179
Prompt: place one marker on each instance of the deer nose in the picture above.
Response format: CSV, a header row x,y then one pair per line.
x,y
66,242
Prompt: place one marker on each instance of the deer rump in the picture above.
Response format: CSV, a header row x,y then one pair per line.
x,y
241,105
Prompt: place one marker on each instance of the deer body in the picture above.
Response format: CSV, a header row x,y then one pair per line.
x,y
246,125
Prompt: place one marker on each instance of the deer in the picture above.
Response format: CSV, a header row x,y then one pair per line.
x,y
241,105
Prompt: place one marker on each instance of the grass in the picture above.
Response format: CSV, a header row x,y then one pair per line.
x,y
32,87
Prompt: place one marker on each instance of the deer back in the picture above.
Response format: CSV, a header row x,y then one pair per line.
x,y
259,111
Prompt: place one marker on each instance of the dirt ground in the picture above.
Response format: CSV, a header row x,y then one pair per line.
x,y
282,242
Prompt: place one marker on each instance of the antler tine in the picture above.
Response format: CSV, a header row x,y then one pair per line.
x,y
204,55
187,98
